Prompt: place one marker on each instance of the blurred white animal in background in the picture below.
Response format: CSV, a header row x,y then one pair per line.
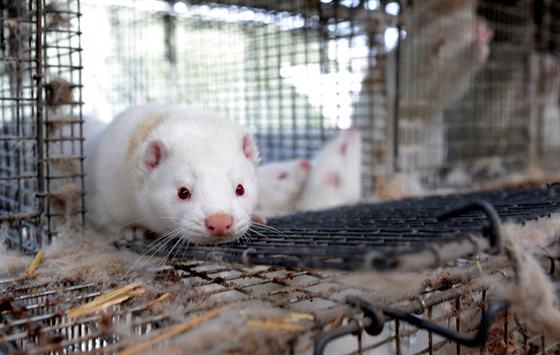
x,y
280,186
335,177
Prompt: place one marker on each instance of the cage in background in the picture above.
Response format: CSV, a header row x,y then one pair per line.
x,y
40,101
213,305
547,84
291,74
443,93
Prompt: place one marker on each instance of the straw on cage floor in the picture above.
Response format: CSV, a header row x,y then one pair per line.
x,y
233,307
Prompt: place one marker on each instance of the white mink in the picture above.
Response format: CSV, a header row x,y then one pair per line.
x,y
446,45
173,170
547,86
335,177
440,56
280,186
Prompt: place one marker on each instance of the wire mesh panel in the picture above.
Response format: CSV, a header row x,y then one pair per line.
x,y
290,71
41,158
445,88
546,69
265,308
20,175
464,104
494,116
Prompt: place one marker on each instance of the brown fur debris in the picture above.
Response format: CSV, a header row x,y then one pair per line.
x,y
66,200
13,265
65,164
230,333
57,18
58,92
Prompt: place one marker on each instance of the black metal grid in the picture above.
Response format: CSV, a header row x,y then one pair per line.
x,y
379,236
20,176
35,312
40,106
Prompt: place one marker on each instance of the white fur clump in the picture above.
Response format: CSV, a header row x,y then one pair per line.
x,y
386,287
240,329
89,258
12,264
532,298
534,235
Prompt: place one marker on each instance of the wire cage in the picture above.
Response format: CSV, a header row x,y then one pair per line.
x,y
460,99
292,74
41,158
450,95
547,81
320,313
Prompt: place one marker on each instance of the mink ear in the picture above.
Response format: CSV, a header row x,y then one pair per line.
x,y
305,164
155,154
250,149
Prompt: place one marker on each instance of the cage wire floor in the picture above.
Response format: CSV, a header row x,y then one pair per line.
x,y
380,236
303,287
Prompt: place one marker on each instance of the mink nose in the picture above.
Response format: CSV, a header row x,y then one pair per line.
x,y
219,224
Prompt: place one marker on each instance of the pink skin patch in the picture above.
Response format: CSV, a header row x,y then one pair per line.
x,y
333,180
483,32
484,35
343,149
282,176
305,164
438,45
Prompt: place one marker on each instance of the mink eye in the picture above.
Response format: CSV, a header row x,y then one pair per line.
x,y
282,176
239,191
184,193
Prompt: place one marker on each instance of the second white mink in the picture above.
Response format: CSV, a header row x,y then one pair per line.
x,y
173,170
335,176
280,186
